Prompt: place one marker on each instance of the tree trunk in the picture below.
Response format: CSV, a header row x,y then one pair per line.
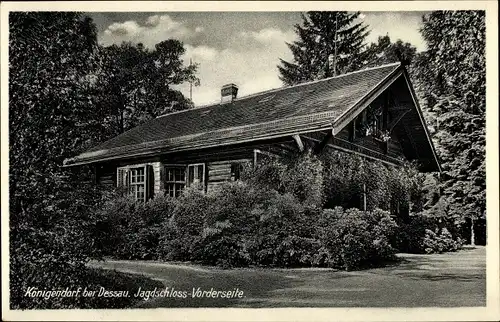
x,y
364,196
472,236
121,121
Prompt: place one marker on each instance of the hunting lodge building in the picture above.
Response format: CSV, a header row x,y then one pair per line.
x,y
371,112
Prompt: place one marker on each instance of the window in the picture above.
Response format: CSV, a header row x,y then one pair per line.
x,y
178,177
175,180
137,185
196,175
138,181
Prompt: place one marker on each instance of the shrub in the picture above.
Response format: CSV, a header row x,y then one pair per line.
x,y
230,221
444,242
300,176
284,235
142,235
296,251
272,218
221,250
268,173
424,234
345,175
132,230
304,180
240,224
412,233
250,225
354,239
182,230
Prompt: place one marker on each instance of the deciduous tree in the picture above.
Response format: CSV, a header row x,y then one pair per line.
x,y
451,75
135,83
51,60
384,52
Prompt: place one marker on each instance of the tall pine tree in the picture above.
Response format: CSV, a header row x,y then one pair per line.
x,y
451,77
316,53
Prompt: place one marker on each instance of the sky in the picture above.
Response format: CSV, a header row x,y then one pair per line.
x,y
236,47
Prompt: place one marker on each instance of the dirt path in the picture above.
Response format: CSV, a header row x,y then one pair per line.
x,y
444,280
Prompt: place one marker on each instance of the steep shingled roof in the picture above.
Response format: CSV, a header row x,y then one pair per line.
x,y
285,111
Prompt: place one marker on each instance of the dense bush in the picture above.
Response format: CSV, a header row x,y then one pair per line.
x,y
242,224
424,234
345,174
182,227
353,239
301,176
284,232
238,225
274,217
440,243
130,230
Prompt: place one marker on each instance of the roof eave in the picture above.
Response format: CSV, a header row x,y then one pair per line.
x,y
165,149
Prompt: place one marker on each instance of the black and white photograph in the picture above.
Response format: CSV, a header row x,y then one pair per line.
x,y
332,156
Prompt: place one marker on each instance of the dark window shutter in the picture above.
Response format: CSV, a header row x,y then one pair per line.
x,y
150,182
120,178
128,180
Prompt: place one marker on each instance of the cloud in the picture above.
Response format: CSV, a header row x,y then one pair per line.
x,y
130,28
398,25
249,60
200,53
245,49
247,57
253,69
155,29
268,35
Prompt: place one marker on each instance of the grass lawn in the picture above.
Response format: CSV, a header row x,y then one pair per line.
x,y
441,280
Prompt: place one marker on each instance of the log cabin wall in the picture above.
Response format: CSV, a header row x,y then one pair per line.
x,y
106,174
218,162
221,171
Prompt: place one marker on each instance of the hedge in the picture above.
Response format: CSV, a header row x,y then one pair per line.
x,y
275,217
244,225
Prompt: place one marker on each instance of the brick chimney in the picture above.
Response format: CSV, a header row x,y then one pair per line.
x,y
228,93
